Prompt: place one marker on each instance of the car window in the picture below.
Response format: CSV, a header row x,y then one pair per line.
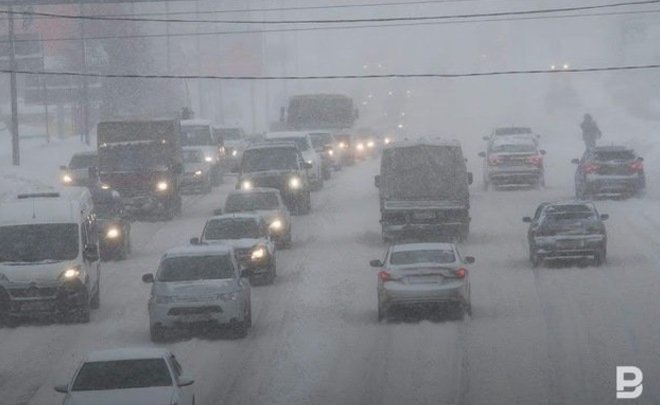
x,y
188,268
251,201
613,156
122,374
231,228
422,256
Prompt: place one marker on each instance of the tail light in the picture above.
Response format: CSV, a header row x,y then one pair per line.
x,y
536,160
637,166
494,160
591,167
384,276
461,272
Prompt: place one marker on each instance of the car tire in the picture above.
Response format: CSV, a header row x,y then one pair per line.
x,y
382,312
82,314
95,303
600,257
239,328
156,333
248,319
534,258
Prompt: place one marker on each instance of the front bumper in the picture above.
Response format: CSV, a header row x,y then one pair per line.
x,y
30,300
181,314
190,181
569,247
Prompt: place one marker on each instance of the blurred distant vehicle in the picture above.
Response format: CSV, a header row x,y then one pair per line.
x,y
143,161
132,376
303,141
513,160
234,142
423,189
326,146
567,230
268,203
280,166
366,146
197,172
606,171
199,286
249,235
424,275
81,171
113,228
506,131
320,111
346,149
199,133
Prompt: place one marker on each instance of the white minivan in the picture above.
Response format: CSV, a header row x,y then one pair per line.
x,y
49,255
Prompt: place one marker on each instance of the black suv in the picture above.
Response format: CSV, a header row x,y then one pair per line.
x,y
280,166
607,171
567,230
114,230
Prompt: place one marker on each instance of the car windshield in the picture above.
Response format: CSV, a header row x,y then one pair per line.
x,y
512,131
107,203
83,161
122,374
264,159
198,135
320,140
189,268
193,156
423,256
568,213
300,141
38,242
132,157
231,228
229,134
615,155
514,148
251,202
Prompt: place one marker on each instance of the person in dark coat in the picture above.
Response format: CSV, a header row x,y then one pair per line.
x,y
590,131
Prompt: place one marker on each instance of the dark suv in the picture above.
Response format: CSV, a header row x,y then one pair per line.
x,y
280,166
567,230
609,171
513,160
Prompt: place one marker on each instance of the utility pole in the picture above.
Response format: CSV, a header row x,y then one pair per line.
x,y
85,85
167,37
16,159
198,46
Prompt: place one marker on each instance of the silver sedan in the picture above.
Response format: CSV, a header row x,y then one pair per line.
x,y
423,275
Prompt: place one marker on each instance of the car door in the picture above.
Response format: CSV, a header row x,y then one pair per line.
x,y
92,269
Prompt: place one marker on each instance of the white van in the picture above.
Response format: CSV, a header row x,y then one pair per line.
x,y
49,255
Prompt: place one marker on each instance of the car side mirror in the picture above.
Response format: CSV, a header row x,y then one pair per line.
x,y
470,178
377,181
575,161
482,154
194,241
308,165
62,388
217,211
485,138
185,381
527,220
604,217
245,273
470,259
375,263
91,252
148,278
542,151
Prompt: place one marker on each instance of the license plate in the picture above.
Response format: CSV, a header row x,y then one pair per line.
x,y
424,215
570,244
425,280
35,306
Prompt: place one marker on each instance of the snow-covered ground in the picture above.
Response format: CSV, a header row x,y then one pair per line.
x,y
542,336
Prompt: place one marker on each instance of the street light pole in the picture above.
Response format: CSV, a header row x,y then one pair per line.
x,y
85,84
16,159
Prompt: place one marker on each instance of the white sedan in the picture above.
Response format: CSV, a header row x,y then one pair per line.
x,y
423,275
136,376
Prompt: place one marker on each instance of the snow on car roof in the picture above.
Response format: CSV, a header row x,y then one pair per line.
x,y
198,250
238,215
256,190
49,205
514,140
423,142
132,353
611,148
407,247
195,122
286,134
270,145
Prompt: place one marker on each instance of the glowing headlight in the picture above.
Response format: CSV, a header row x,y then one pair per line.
x,y
276,225
198,173
370,144
360,146
71,273
105,187
294,183
310,162
162,186
258,253
208,159
331,152
67,179
387,141
234,153
342,145
113,233
247,185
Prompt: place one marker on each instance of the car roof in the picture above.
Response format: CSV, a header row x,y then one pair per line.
x,y
512,130
255,191
286,134
51,205
238,215
196,122
132,353
86,153
589,204
612,148
271,145
423,142
523,139
198,250
407,247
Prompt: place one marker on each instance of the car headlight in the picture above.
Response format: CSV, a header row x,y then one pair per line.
x,y
342,145
370,144
198,173
294,183
360,146
258,253
276,225
113,233
232,296
67,179
331,152
208,159
163,299
234,153
105,187
162,186
70,274
310,162
387,141
247,185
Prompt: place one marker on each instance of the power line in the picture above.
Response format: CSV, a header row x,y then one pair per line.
x,y
334,77
335,21
343,27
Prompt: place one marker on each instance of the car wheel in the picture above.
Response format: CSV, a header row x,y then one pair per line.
x,y
600,257
82,313
248,319
157,333
239,328
382,311
534,258
96,299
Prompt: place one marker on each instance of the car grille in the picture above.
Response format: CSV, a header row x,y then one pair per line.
x,y
209,309
33,292
271,182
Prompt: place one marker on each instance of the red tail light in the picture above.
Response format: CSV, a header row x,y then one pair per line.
x,y
637,166
384,276
461,273
591,167
494,160
536,160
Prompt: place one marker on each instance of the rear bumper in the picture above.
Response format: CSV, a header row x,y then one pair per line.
x,y
395,294
422,231
598,184
570,248
514,175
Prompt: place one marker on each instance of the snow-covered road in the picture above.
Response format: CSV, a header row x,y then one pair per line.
x,y
543,336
